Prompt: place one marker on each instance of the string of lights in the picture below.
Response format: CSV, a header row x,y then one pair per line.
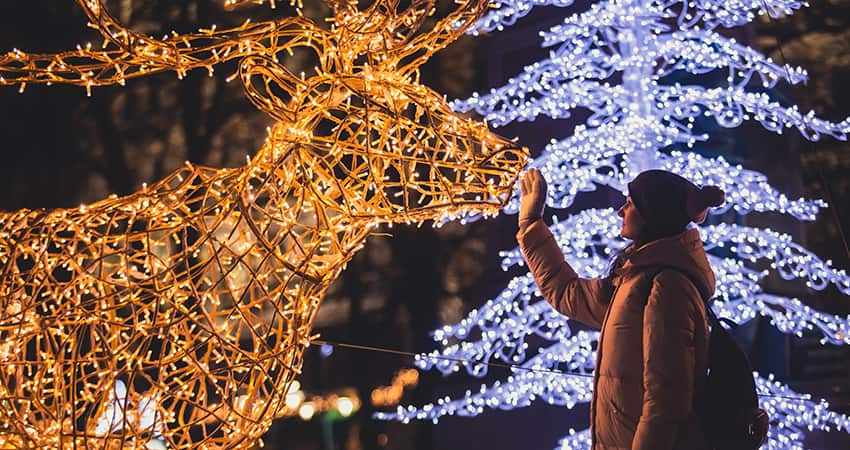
x,y
389,395
571,169
706,13
538,379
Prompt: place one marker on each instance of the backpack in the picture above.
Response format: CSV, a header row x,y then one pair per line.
x,y
728,408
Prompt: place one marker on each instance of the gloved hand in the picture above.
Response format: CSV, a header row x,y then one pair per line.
x,y
533,190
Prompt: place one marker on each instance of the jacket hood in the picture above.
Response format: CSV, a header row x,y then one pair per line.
x,y
682,252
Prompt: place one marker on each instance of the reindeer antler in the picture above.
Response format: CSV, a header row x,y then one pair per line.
x,y
128,54
390,36
384,27
465,14
380,30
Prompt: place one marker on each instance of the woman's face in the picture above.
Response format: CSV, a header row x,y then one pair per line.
x,y
632,222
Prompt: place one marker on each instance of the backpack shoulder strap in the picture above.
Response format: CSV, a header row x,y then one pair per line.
x,y
713,319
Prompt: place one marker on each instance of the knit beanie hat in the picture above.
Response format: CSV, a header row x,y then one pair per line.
x,y
667,203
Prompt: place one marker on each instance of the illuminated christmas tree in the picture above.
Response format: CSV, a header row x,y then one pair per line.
x,y
620,61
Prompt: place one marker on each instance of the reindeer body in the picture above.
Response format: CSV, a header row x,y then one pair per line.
x,y
196,258
178,315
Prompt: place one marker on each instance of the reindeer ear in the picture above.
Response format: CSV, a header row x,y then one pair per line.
x,y
270,86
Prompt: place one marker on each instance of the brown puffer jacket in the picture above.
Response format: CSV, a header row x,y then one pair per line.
x,y
654,336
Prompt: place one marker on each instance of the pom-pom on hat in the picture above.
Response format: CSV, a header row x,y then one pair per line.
x,y
667,202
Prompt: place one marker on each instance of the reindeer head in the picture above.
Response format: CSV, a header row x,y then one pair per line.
x,y
377,143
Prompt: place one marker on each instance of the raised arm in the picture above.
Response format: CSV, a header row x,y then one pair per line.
x,y
584,300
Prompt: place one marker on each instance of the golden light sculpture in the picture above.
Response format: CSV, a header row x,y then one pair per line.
x,y
177,316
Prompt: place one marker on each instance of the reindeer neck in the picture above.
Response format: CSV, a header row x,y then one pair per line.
x,y
298,210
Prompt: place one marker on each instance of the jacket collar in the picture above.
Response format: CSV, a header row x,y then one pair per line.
x,y
683,252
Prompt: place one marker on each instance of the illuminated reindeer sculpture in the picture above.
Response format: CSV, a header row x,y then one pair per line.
x,y
177,316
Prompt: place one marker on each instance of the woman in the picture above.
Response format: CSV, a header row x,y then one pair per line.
x,y
653,349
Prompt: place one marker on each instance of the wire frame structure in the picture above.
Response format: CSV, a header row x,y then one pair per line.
x,y
176,317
